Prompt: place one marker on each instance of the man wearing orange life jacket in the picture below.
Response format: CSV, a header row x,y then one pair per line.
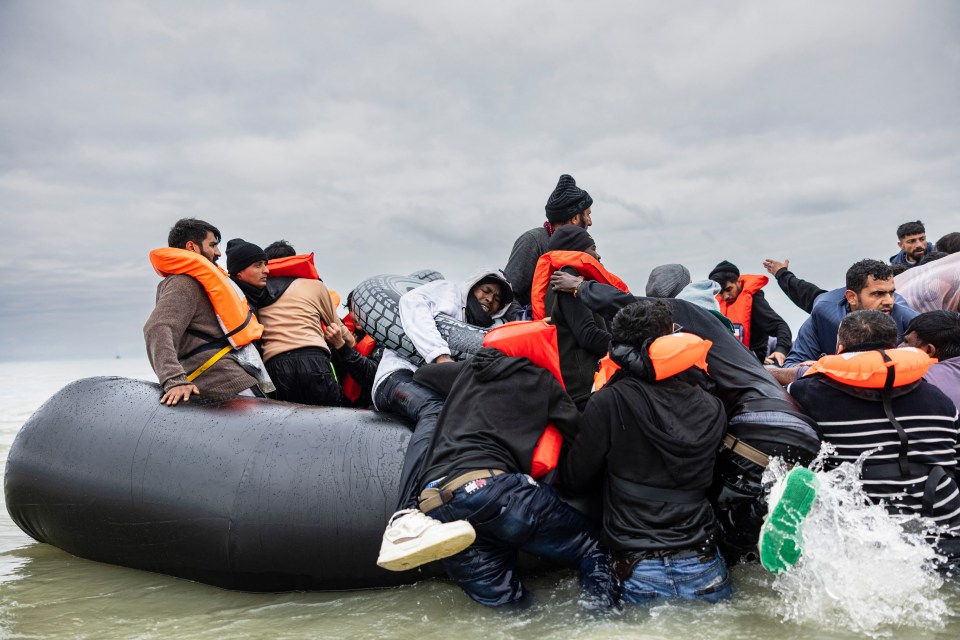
x,y
908,428
651,435
742,301
178,330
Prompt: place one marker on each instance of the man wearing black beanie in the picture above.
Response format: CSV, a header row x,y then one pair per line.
x,y
567,205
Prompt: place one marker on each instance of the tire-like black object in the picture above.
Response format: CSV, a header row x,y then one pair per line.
x,y
376,307
245,494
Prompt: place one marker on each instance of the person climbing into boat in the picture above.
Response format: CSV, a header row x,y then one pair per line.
x,y
907,427
912,241
186,344
479,467
582,335
295,312
481,301
869,285
356,357
763,420
652,435
743,303
938,334
568,204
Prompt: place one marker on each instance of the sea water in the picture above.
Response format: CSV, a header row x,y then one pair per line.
x,y
834,592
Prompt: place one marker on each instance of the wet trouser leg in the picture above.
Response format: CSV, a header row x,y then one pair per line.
x,y
512,513
399,394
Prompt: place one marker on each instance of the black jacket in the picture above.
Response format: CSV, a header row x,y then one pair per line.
x,y
801,293
765,322
660,436
494,416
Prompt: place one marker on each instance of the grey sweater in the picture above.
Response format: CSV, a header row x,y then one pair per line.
x,y
182,306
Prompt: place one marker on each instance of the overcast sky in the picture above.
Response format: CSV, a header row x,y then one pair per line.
x,y
393,136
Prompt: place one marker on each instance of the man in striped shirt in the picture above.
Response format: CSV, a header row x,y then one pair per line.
x,y
913,461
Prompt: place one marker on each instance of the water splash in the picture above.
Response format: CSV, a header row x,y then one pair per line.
x,y
862,569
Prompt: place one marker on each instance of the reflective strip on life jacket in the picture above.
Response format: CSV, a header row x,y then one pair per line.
x,y
586,265
237,321
741,311
868,369
537,341
299,266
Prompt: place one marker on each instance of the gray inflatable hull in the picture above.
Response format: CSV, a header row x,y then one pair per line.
x,y
244,494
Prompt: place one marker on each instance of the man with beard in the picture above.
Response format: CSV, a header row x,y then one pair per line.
x,y
184,324
869,286
567,205
912,240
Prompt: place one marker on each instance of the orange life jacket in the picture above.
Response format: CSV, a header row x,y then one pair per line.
x,y
670,354
537,341
741,311
237,321
299,266
868,369
351,388
585,264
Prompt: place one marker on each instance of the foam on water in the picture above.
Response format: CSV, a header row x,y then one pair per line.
x,y
861,568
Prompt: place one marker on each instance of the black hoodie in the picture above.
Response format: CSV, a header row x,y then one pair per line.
x,y
662,435
494,415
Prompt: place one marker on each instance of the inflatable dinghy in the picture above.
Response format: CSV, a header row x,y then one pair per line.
x,y
246,494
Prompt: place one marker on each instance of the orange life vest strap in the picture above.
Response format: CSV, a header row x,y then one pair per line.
x,y
585,264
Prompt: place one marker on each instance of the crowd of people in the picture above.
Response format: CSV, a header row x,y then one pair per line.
x,y
655,415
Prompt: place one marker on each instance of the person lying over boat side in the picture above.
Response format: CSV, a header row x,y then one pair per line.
x,y
190,350
479,467
482,301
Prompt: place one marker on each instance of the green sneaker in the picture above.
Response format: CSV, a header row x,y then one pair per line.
x,y
782,533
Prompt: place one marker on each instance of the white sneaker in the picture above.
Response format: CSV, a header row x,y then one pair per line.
x,y
413,538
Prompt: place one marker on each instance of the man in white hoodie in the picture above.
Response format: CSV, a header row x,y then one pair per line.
x,y
412,538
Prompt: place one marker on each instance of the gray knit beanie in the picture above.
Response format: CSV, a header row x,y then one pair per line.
x,y
667,280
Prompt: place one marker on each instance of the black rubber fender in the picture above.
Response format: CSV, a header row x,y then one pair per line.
x,y
375,306
245,494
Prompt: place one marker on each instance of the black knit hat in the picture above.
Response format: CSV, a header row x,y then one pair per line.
x,y
241,254
724,266
571,238
567,200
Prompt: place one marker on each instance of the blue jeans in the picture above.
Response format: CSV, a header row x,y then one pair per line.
x,y
399,394
512,513
687,578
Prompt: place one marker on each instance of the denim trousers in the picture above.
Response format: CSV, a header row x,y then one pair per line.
x,y
688,578
513,513
399,394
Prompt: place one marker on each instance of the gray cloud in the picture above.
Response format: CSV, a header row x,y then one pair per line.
x,y
389,137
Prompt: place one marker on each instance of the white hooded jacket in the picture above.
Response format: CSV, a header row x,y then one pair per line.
x,y
420,306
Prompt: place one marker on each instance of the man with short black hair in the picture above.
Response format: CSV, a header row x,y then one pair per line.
x,y
912,240
653,441
938,334
869,285
754,321
568,204
279,249
184,322
906,433
949,243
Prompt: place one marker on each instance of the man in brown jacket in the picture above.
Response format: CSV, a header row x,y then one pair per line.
x,y
183,315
